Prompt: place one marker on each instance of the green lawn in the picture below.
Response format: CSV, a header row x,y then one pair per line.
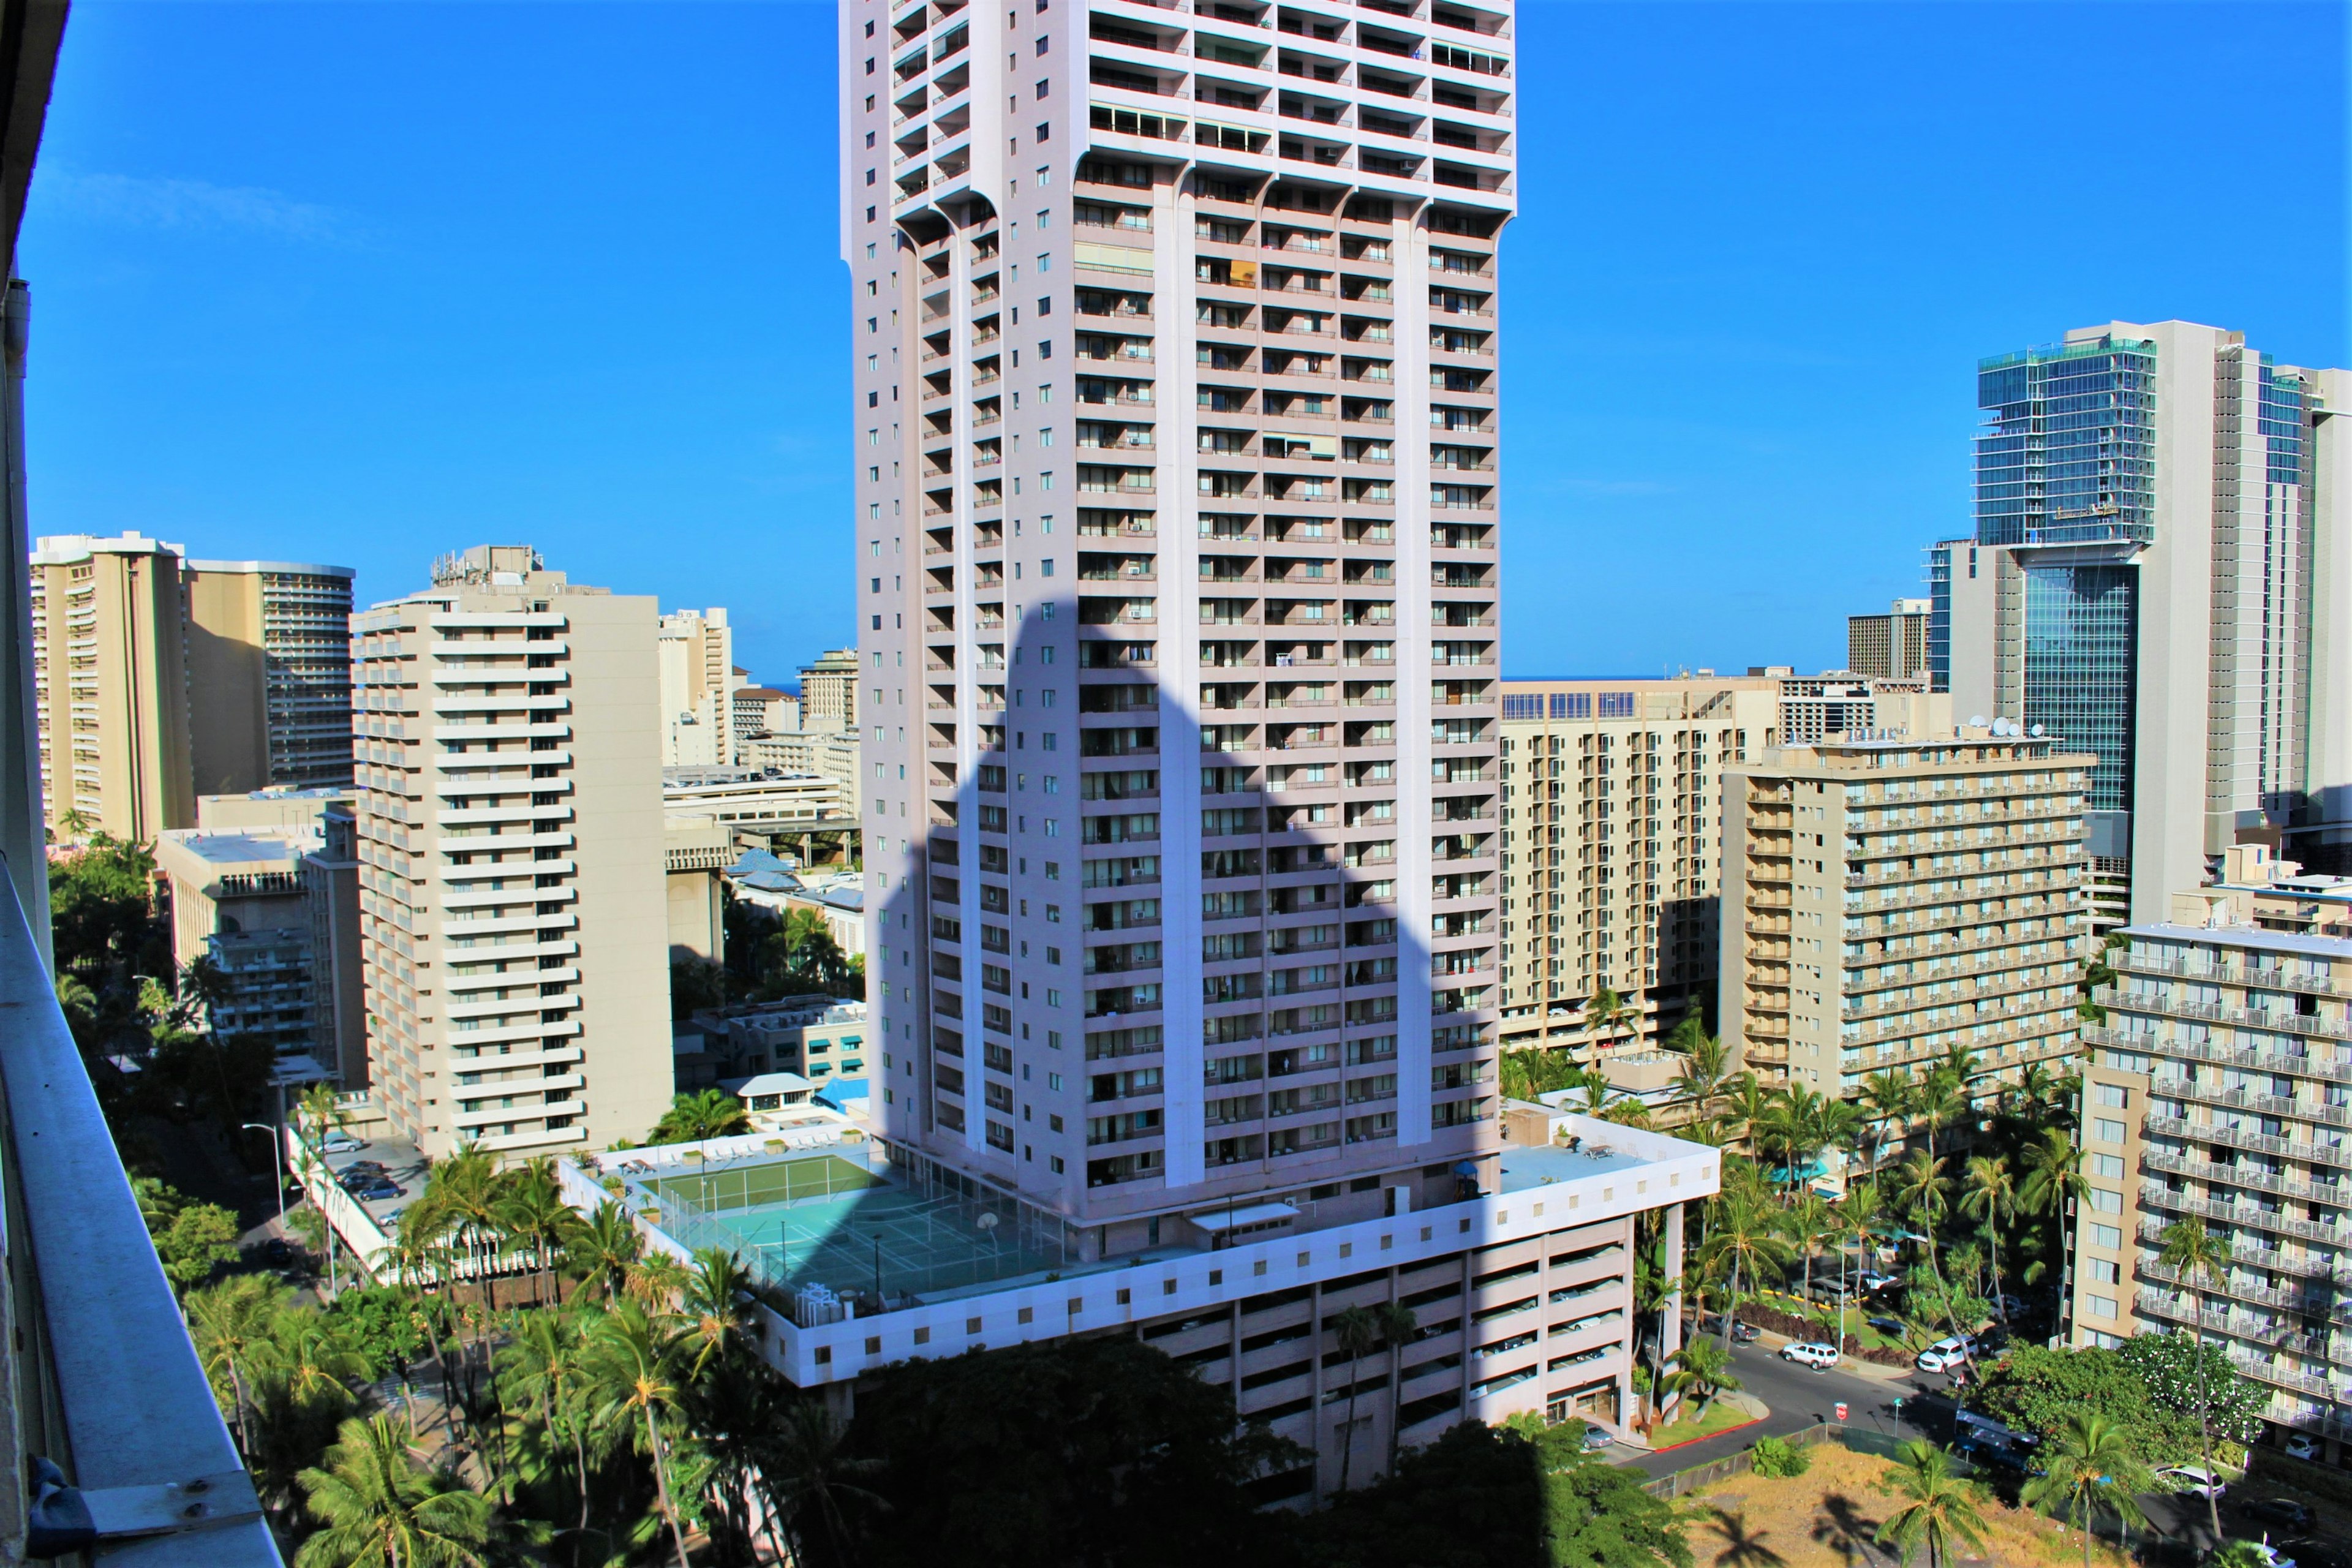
x,y
1722,1416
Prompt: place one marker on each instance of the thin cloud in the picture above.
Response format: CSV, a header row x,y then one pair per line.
x,y
141,201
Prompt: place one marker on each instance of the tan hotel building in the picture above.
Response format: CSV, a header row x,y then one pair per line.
x,y
1886,899
510,841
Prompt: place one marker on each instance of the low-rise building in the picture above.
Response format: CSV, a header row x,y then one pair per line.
x,y
819,1037
866,1252
2220,1087
236,898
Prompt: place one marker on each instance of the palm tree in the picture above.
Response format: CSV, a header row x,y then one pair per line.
x,y
1886,1097
1357,1331
1398,1327
1859,1218
532,1211
811,1478
1707,1063
380,1509
697,1118
718,1300
2055,1183
1988,1193
632,1366
544,1357
1605,1013
1703,1372
1920,1185
1940,1508
1746,1103
606,1248
231,1324
2198,1256
2091,1465
1746,1238
660,1281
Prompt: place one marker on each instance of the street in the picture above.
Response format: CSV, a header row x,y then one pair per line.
x,y
1798,1397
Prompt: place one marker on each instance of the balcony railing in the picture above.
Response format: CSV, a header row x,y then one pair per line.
x,y
107,1385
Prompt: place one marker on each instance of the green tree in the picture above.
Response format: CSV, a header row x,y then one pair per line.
x,y
231,1324
693,1117
2196,1258
1937,1507
1605,1013
191,1238
2090,1467
1701,1371
378,1507
605,1249
1988,1194
1746,1241
633,1365
815,1484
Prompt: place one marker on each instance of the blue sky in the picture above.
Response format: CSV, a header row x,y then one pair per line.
x,y
364,282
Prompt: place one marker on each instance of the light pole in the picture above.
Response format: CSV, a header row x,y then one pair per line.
x,y
276,1163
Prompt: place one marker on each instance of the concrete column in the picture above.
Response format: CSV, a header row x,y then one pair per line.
x,y
1670,1321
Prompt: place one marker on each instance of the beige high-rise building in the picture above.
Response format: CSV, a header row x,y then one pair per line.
x,y
1888,900
1841,703
510,840
829,693
1611,836
2216,1091
1893,645
111,678
698,685
269,674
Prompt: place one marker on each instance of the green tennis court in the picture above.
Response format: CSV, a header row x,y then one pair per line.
x,y
774,1182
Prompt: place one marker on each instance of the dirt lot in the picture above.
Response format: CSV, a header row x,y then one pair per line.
x,y
1828,1517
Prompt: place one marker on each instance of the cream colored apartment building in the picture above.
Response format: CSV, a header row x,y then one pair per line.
x,y
1889,899
1612,848
511,839
698,686
2219,1087
269,675
110,683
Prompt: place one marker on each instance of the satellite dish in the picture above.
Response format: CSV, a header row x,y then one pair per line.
x,y
2038,731
1976,721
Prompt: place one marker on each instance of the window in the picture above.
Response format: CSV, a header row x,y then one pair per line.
x,y
2106,1202
2107,1236
2110,1166
2115,1094
2101,1306
2104,1130
2104,1270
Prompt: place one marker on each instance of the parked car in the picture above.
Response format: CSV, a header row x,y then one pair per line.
x,y
2285,1513
2301,1446
2194,1479
1741,1334
377,1190
1891,1327
1943,1355
1811,1352
342,1144
1596,1438
275,1253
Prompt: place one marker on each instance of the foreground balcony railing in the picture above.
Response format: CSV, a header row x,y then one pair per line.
x,y
105,1383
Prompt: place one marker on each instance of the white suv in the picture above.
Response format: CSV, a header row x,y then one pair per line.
x,y
1811,1352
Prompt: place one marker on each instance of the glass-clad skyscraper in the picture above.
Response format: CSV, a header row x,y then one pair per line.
x,y
2155,577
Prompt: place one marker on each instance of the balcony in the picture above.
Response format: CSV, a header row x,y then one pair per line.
x,y
108,1383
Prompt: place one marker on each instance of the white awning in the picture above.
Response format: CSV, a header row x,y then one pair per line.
x,y
1245,1214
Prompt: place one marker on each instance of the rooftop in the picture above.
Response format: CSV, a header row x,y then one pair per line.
x,y
1525,1168
2247,936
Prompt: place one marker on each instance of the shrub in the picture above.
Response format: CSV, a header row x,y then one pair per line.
x,y
1776,1458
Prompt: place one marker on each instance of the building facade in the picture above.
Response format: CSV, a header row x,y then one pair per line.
x,y
2217,1089
1889,900
1177,548
510,835
828,701
1814,707
698,685
1611,849
2159,574
236,898
269,674
110,684
1893,645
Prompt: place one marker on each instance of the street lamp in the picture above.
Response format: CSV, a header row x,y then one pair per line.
x,y
277,1162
